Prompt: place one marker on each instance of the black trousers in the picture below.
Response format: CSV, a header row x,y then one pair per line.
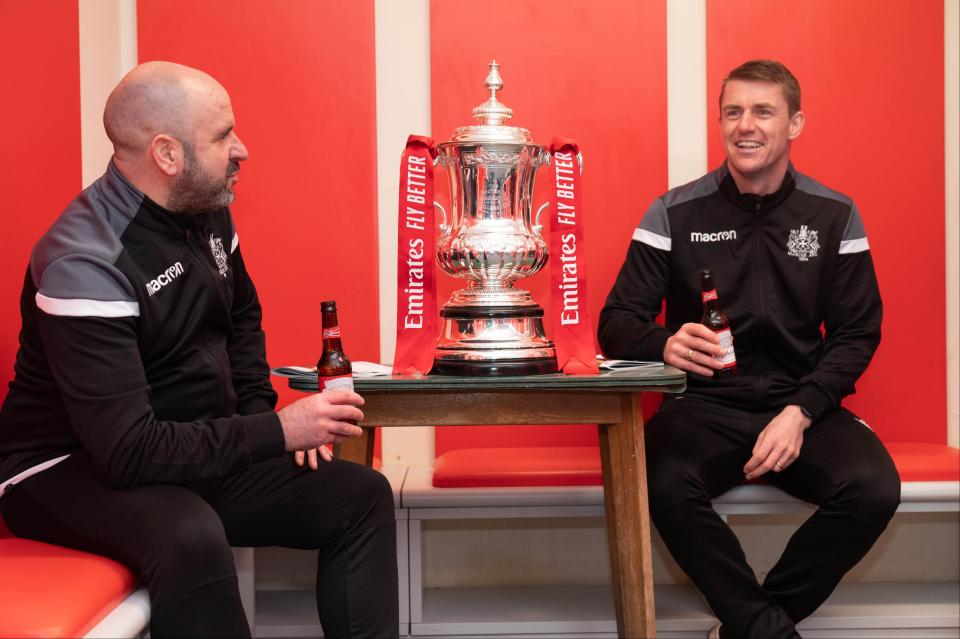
x,y
177,538
696,450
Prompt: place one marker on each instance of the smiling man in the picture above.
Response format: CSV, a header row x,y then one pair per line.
x,y
141,422
794,274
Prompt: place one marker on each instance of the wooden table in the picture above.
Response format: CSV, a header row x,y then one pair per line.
x,y
610,400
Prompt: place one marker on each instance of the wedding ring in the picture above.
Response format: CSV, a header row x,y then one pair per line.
x,y
689,355
778,466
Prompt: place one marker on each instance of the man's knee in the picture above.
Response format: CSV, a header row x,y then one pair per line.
x,y
183,546
672,482
375,491
673,476
870,491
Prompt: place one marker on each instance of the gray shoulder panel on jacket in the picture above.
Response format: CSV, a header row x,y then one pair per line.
x,y
808,185
855,228
76,257
701,187
854,238
655,219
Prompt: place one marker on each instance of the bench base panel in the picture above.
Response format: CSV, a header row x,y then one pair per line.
x,y
874,610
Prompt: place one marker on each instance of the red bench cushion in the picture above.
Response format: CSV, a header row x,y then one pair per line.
x,y
560,466
50,591
580,465
926,462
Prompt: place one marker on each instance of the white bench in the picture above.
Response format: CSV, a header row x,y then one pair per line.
x,y
865,609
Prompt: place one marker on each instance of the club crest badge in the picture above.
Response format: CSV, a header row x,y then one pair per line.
x,y
803,244
219,255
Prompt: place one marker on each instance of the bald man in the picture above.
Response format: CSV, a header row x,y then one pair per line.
x,y
141,422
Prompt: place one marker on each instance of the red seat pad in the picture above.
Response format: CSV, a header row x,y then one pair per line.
x,y
50,591
926,462
580,465
534,466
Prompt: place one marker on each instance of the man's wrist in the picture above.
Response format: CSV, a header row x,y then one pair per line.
x,y
805,412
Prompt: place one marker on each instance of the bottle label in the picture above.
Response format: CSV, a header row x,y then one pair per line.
x,y
729,357
340,382
709,295
331,332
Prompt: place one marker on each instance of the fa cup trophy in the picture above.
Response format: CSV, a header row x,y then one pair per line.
x,y
491,240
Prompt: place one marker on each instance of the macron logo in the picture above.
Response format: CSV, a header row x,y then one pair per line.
x,y
174,270
713,237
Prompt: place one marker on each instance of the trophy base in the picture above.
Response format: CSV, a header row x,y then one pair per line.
x,y
494,341
494,368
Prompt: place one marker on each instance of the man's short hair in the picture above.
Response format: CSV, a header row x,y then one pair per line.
x,y
768,71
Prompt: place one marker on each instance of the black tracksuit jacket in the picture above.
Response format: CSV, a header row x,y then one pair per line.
x,y
140,345
794,275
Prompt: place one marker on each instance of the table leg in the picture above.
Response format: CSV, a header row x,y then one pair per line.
x,y
356,449
628,520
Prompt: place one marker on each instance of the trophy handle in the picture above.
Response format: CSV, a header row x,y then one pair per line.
x,y
537,227
547,157
444,227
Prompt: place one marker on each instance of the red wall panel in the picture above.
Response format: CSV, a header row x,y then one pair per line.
x,y
872,81
40,170
301,77
594,71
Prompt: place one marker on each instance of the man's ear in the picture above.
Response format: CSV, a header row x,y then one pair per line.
x,y
167,153
796,125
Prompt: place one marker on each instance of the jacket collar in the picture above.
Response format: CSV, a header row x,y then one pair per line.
x,y
750,201
153,215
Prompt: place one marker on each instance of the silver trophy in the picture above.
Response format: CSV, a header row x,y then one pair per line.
x,y
491,327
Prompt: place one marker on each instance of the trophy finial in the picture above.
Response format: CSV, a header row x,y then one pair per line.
x,y
494,81
493,112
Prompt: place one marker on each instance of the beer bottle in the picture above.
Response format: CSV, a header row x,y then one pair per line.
x,y
333,368
717,321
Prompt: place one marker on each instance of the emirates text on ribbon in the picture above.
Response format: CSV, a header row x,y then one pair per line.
x,y
414,219
567,214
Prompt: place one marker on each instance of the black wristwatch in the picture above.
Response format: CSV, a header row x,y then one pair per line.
x,y
806,413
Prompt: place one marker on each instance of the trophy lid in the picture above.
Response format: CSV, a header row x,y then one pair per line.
x,y
492,114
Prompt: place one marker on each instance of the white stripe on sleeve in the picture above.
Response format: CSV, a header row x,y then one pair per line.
x,y
858,245
235,243
86,308
30,472
652,239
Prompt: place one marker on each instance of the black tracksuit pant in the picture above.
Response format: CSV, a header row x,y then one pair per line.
x,y
696,450
177,538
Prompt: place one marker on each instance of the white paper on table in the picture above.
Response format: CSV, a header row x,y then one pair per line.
x,y
360,369
625,364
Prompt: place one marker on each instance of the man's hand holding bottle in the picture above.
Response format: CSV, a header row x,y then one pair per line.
x,y
323,418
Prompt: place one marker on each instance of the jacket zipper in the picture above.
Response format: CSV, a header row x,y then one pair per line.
x,y
761,259
203,340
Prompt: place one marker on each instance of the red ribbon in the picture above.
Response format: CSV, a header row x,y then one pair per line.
x,y
416,253
572,327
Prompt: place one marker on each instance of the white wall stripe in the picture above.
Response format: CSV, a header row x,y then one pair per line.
x,y
86,308
403,107
108,49
858,245
652,239
951,69
686,90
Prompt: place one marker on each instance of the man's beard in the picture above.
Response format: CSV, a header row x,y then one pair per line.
x,y
195,192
